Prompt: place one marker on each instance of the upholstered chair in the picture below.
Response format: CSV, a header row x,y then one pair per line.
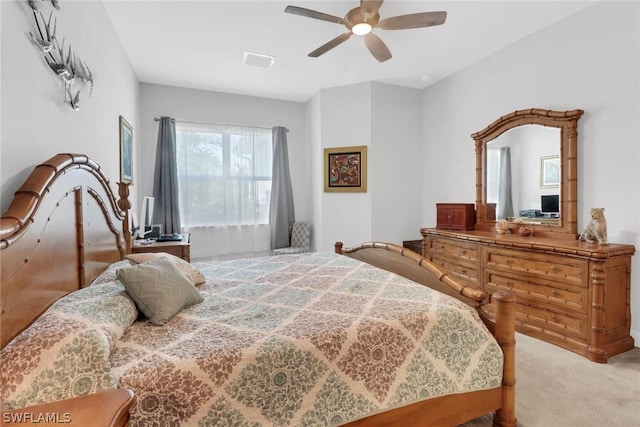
x,y
300,239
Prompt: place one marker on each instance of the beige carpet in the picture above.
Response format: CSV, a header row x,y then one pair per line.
x,y
555,387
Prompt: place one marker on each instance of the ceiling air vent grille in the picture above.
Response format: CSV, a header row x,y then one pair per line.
x,y
258,60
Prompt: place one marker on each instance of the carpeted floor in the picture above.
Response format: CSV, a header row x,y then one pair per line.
x,y
555,387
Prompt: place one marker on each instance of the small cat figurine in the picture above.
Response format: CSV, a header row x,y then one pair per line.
x,y
596,231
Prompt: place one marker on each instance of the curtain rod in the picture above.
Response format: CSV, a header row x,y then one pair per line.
x,y
157,119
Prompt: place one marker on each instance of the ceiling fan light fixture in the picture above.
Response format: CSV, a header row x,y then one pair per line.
x,y
362,19
361,29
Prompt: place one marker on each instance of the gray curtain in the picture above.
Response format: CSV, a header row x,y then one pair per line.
x,y
505,200
165,180
281,212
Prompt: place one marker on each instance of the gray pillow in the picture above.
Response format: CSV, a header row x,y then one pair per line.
x,y
159,289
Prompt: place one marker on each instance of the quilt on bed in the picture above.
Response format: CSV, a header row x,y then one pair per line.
x,y
312,339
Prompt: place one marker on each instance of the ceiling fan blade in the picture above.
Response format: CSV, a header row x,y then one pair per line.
x,y
314,14
370,8
331,44
414,20
377,47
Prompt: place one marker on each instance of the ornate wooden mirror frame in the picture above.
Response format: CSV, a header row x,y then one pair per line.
x,y
567,122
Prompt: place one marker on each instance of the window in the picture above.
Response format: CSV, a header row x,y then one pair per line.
x,y
224,174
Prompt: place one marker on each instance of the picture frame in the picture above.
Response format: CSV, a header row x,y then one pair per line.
x,y
126,151
549,171
345,169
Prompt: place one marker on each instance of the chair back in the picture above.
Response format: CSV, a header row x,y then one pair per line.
x,y
301,235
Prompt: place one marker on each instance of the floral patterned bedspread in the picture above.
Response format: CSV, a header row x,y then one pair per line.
x,y
308,340
65,352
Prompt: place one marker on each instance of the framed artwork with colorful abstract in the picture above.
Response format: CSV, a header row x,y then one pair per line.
x,y
345,169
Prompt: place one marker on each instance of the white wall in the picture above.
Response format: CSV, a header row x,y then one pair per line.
x,y
314,138
386,119
395,163
589,61
36,124
345,115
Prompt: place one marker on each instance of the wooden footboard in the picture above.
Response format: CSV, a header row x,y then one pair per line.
x,y
455,409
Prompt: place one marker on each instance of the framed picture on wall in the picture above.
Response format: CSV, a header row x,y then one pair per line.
x,y
549,171
126,151
345,169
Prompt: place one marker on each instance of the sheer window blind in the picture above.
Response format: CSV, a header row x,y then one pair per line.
x,y
224,174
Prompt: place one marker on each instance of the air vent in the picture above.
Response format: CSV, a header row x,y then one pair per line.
x,y
258,60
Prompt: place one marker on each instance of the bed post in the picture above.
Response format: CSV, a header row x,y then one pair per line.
x,y
125,205
506,336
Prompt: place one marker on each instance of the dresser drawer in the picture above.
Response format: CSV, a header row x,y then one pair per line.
x,y
541,293
548,267
547,320
553,321
464,273
453,248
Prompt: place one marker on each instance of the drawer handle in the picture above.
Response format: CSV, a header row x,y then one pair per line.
x,y
554,269
464,252
554,317
464,272
554,293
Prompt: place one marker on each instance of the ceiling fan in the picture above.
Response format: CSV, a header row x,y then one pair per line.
x,y
361,20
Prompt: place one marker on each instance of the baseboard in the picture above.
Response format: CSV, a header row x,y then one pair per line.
x,y
636,337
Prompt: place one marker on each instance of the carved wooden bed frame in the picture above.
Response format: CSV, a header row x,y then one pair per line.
x,y
452,409
65,226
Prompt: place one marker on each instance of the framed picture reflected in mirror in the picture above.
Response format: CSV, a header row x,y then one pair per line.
x,y
549,171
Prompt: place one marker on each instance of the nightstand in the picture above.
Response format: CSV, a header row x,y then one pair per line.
x,y
179,248
414,245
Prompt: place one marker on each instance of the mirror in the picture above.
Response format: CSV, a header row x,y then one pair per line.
x,y
537,149
531,192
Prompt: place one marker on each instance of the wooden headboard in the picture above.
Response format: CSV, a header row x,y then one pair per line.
x,y
63,228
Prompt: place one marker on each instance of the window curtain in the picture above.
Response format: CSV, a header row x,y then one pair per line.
x,y
224,173
165,180
505,200
281,210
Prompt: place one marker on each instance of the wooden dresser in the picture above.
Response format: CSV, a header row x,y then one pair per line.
x,y
570,293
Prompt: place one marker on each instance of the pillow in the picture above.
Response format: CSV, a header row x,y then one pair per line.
x,y
109,274
192,273
159,289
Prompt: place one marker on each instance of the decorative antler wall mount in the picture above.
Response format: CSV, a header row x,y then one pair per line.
x,y
63,62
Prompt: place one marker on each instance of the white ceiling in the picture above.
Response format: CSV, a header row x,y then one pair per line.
x,y
200,44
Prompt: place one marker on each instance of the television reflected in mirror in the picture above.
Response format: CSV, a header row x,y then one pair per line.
x,y
550,205
146,217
